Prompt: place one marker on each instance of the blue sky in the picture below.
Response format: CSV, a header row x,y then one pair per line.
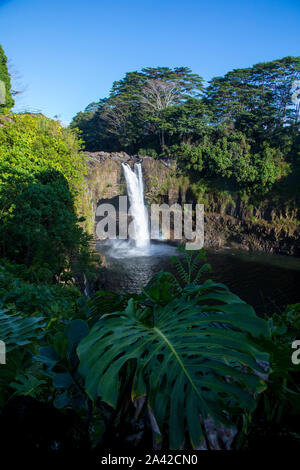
x,y
68,52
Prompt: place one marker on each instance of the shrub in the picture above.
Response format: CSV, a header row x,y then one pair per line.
x,y
147,153
38,225
41,180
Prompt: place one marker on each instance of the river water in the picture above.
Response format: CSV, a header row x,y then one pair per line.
x,y
265,281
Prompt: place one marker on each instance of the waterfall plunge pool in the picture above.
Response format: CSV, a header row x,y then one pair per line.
x,y
267,282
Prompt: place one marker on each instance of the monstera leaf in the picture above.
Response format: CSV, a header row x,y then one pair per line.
x,y
17,331
193,358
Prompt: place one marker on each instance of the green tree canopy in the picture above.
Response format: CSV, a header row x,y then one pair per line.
x,y
134,113
257,98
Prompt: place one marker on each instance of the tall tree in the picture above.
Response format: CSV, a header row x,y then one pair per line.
x,y
134,113
258,99
93,127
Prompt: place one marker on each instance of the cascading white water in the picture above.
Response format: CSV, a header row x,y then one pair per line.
x,y
135,191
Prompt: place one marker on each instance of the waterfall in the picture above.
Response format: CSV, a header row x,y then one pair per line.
x,y
135,191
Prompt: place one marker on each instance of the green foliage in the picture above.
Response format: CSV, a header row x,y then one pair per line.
x,y
181,350
19,335
17,331
257,99
21,291
283,394
188,156
42,245
230,158
92,127
31,144
61,365
28,383
147,153
38,225
37,317
41,181
270,167
243,131
136,113
188,269
6,99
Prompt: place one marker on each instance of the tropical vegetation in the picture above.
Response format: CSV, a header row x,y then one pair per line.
x,y
185,363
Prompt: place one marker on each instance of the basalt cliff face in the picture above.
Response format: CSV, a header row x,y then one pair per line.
x,y
229,220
